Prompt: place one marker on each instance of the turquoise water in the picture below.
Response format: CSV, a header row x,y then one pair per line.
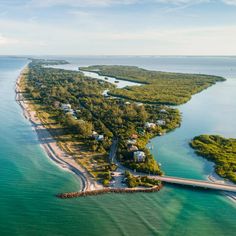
x,y
29,180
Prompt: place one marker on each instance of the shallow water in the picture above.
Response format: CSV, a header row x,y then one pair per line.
x,y
29,180
119,83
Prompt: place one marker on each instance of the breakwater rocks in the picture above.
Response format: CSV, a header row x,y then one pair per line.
x,y
108,190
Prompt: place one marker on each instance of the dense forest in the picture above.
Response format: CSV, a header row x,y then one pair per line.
x,y
158,87
93,120
221,151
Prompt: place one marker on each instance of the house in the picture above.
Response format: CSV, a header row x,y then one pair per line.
x,y
94,134
149,125
161,122
65,107
127,103
139,104
134,136
105,93
70,111
100,137
131,141
56,104
164,111
139,156
132,148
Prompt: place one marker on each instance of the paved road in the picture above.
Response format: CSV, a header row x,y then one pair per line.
x,y
196,183
168,179
113,150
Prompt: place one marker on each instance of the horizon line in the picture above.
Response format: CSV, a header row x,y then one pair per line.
x,y
110,55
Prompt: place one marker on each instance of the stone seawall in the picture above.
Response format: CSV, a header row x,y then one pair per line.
x,y
108,190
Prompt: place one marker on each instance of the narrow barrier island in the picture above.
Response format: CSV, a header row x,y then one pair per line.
x,y
220,150
101,137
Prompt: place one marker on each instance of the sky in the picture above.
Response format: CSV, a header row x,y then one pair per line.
x,y
117,27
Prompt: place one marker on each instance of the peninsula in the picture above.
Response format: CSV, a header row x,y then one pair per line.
x,y
101,137
158,87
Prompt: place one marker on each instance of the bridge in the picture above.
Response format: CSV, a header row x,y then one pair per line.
x,y
196,183
167,179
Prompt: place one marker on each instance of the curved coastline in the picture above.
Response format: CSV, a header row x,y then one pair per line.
x,y
213,177
66,161
89,186
58,156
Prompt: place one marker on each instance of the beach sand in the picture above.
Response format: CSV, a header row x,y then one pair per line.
x,y
50,146
213,177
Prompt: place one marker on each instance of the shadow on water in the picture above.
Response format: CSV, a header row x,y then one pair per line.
x,y
194,189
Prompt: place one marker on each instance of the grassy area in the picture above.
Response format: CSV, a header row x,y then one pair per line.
x,y
158,87
221,151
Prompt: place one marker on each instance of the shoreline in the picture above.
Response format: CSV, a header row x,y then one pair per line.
x,y
58,156
65,161
213,177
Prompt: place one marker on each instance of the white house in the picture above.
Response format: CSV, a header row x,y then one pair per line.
x,y
150,125
94,134
131,141
161,122
65,107
139,156
139,104
100,137
163,111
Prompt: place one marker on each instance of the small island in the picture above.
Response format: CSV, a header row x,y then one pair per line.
x,y
104,138
220,150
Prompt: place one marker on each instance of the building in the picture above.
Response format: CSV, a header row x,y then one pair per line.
x,y
164,111
56,104
131,141
65,107
138,104
161,122
100,137
70,111
132,148
94,134
149,125
139,156
134,136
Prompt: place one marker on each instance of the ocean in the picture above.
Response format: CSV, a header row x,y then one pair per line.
x,y
29,180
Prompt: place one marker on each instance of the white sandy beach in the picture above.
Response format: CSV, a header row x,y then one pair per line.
x,y
50,145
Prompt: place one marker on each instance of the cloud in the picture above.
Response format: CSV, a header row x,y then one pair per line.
x,y
79,3
105,3
230,2
181,2
7,41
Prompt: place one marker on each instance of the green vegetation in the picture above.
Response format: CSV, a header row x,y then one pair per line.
x,y
220,150
158,87
140,181
84,122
